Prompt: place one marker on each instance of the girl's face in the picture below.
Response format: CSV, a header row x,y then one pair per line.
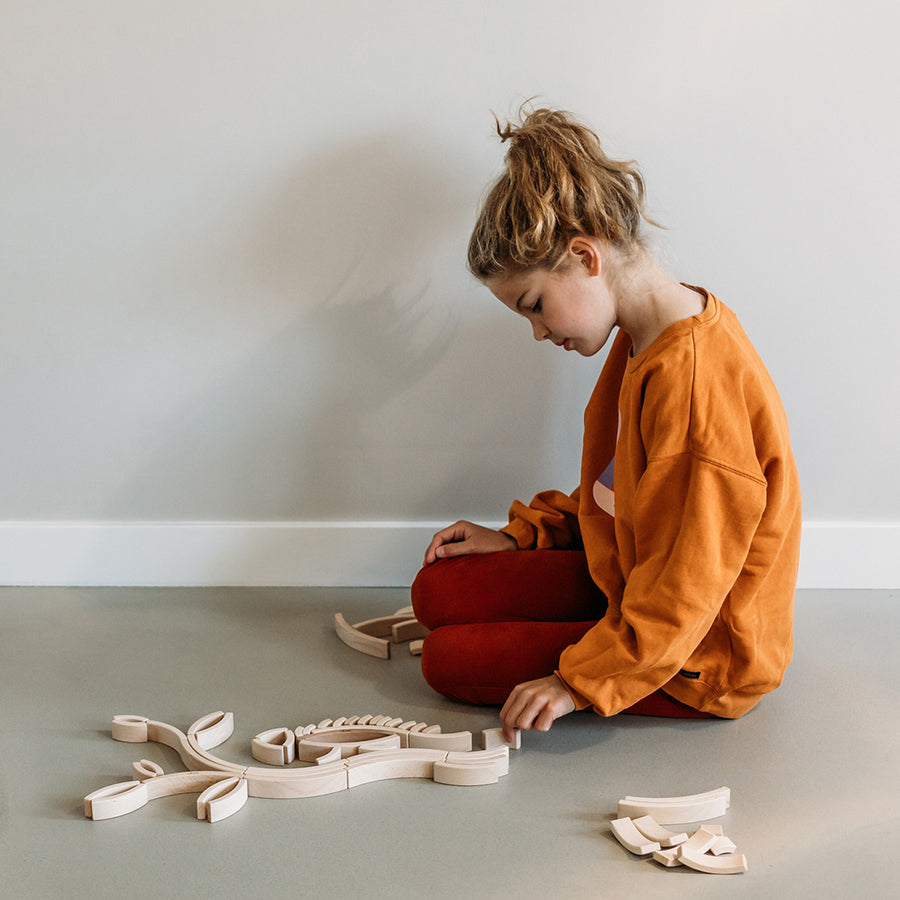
x,y
572,306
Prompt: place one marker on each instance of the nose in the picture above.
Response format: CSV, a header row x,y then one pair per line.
x,y
541,332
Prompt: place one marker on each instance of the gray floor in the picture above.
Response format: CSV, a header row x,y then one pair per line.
x,y
813,770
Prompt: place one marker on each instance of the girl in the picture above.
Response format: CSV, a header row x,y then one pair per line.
x,y
663,585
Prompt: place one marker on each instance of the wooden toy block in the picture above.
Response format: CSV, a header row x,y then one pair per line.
x,y
212,730
146,768
276,747
415,647
406,612
329,756
131,729
410,630
465,774
677,810
222,799
433,740
653,831
630,838
387,764
493,737
498,757
325,723
698,843
365,643
733,864
116,800
668,858
722,846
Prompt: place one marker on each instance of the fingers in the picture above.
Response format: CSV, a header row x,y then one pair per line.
x,y
464,538
535,705
457,533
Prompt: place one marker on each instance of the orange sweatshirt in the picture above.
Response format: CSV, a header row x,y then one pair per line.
x,y
689,514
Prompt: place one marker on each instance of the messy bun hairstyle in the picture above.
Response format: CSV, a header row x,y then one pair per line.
x,y
558,183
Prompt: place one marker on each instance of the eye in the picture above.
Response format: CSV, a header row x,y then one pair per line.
x,y
537,306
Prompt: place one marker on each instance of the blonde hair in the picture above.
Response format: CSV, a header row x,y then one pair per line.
x,y
558,183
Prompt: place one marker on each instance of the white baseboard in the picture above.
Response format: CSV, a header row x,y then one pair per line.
x,y
850,555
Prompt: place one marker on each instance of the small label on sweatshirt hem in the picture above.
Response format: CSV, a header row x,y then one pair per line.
x,y
692,675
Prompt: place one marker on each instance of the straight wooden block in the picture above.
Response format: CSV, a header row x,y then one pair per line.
x,y
493,737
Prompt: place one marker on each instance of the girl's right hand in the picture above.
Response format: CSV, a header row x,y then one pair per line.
x,y
464,538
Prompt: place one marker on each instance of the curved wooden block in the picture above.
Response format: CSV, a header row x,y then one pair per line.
x,y
222,799
313,781
358,640
434,740
146,768
131,729
677,810
329,756
388,764
408,630
722,846
415,647
699,842
733,864
312,747
631,839
478,767
653,831
116,800
276,747
211,730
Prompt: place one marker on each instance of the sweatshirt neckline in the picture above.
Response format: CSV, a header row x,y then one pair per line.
x,y
676,329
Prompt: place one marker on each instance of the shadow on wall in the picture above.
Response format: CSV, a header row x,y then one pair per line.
x,y
314,423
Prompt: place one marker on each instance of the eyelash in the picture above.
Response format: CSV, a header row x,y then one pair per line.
x,y
537,306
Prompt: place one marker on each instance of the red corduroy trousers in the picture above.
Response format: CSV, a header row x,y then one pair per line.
x,y
500,619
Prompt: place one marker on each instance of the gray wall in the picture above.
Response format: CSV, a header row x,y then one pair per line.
x,y
233,244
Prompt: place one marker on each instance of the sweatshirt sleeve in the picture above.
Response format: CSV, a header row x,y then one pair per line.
x,y
692,524
549,522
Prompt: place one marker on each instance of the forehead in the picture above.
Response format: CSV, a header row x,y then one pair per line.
x,y
509,289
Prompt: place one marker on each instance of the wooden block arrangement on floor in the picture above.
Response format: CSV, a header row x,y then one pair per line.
x,y
375,636
345,752
706,850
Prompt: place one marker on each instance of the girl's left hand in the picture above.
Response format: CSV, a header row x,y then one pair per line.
x,y
535,704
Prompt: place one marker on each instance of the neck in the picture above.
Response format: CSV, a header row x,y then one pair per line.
x,y
648,301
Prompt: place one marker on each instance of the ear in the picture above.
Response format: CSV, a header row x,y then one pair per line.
x,y
586,253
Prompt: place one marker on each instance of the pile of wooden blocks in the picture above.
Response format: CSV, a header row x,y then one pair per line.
x,y
639,829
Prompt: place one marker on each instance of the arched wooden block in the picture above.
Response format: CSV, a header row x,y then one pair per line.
x,y
434,740
478,767
131,729
653,831
115,800
408,630
498,757
722,846
222,799
275,747
329,756
733,864
387,764
631,839
677,810
415,647
311,747
358,640
211,730
146,768
699,842
311,781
